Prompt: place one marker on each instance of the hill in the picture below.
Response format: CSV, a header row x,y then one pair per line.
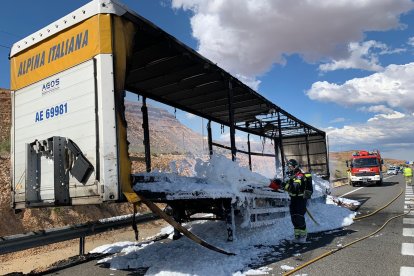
x,y
172,141
167,134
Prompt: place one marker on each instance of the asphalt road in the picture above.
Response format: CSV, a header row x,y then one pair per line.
x,y
380,254
377,255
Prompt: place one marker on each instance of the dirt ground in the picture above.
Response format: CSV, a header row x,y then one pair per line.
x,y
42,257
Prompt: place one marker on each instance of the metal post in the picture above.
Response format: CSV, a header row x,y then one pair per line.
x,y
228,212
231,122
327,156
81,246
277,158
202,131
210,138
145,127
307,151
282,154
248,150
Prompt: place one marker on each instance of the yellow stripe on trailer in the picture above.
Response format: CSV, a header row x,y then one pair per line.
x,y
62,51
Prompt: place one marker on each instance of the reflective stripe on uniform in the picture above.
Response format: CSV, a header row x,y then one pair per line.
x,y
295,194
300,232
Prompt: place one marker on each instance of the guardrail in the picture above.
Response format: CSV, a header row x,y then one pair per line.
x,y
20,242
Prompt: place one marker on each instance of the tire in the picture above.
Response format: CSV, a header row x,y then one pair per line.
x,y
379,183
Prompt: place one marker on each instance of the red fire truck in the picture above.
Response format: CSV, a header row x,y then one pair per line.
x,y
365,167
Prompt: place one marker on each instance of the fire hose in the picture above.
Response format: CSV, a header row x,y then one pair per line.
x,y
357,240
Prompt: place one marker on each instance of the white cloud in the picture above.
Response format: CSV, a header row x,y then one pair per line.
x,y
383,132
394,86
249,81
390,116
376,109
338,120
411,41
361,56
248,37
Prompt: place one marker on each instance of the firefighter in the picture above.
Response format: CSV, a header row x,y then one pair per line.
x,y
299,186
408,175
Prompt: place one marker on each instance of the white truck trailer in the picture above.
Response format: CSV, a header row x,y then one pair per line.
x,y
68,134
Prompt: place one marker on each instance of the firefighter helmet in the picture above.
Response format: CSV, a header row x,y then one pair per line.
x,y
293,164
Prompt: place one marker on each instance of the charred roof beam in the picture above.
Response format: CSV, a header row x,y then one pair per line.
x,y
183,94
241,101
242,109
160,67
166,79
204,99
188,83
152,53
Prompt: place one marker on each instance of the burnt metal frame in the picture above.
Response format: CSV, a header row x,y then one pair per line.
x,y
282,154
249,152
210,138
307,153
231,122
165,70
162,63
145,127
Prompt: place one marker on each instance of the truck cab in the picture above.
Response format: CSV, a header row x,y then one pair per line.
x,y
365,168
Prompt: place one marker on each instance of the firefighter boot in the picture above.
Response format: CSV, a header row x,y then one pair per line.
x,y
300,236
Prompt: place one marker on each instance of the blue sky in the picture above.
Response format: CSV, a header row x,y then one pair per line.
x,y
345,67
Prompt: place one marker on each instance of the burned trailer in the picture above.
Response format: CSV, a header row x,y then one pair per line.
x,y
165,70
69,134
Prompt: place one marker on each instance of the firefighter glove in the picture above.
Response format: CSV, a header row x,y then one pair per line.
x,y
307,194
275,184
